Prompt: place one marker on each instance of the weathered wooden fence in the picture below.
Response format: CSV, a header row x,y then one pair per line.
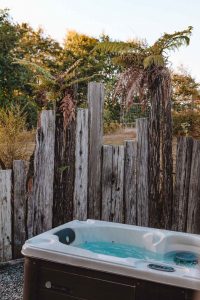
x,y
110,182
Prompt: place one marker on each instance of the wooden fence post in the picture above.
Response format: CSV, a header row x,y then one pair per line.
x,y
5,215
96,103
19,206
193,219
117,212
29,198
107,161
182,183
44,172
81,166
142,172
130,196
113,184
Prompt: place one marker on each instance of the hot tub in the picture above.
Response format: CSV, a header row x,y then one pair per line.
x,y
96,260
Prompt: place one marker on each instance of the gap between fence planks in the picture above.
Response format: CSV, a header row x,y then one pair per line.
x,y
5,215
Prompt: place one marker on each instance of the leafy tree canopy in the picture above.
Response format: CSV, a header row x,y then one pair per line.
x,y
185,86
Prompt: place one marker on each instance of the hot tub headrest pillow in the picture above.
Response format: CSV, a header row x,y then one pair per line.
x,y
66,235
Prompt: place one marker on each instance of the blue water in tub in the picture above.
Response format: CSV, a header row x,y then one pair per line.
x,y
124,251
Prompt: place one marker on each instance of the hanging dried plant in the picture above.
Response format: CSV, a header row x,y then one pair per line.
x,y
67,107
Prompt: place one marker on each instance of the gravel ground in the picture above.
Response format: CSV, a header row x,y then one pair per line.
x,y
11,282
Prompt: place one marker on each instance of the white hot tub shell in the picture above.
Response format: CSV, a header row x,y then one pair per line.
x,y
47,246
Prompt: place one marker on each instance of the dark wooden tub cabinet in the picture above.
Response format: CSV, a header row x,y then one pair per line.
x,y
46,280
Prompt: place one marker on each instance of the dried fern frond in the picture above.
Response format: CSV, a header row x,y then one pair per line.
x,y
67,107
131,83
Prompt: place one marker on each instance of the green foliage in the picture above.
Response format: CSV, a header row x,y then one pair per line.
x,y
18,85
172,41
139,54
78,65
187,123
151,60
96,65
36,70
185,87
13,136
11,77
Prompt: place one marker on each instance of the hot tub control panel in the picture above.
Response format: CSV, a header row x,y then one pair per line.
x,y
159,267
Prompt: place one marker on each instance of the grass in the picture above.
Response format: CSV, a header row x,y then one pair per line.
x,y
26,141
119,136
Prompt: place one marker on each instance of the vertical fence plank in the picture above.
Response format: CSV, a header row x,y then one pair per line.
x,y
5,215
130,182
113,183
19,206
81,166
182,183
117,212
142,172
193,222
95,102
106,182
44,172
29,198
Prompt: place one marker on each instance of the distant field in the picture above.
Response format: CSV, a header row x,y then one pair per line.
x,y
118,137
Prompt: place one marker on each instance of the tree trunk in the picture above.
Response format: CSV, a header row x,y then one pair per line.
x,y
64,170
154,161
160,152
166,152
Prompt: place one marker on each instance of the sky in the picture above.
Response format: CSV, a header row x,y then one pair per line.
x,y
120,19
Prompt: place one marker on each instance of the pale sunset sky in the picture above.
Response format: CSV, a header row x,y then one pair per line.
x,y
121,20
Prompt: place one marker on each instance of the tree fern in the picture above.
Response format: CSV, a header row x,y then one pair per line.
x,y
153,60
136,56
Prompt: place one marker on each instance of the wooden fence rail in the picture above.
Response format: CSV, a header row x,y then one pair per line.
x,y
111,182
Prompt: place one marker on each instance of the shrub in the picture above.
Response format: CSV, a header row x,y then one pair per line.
x,y
110,125
187,123
13,136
